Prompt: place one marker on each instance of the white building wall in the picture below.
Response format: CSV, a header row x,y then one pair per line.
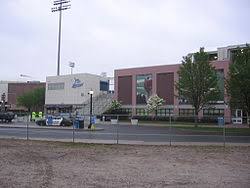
x,y
222,54
4,89
70,95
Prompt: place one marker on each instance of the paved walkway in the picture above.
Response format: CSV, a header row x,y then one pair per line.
x,y
129,142
34,126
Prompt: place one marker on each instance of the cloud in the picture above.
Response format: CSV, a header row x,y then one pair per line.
x,y
103,35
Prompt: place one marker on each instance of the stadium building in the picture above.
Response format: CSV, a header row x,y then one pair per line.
x,y
133,86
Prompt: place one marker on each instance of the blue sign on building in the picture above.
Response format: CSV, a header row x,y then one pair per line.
x,y
77,83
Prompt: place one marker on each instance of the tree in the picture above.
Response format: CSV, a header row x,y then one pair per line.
x,y
153,103
114,107
32,100
198,82
238,82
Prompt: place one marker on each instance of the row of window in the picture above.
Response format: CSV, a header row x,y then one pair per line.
x,y
104,86
160,112
56,86
182,112
206,112
60,110
213,112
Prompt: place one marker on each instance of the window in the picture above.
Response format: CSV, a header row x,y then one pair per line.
x,y
186,112
164,112
104,86
126,110
143,88
213,112
213,56
56,86
141,112
51,111
220,76
65,110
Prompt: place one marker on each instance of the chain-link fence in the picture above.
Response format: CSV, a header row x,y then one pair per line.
x,y
127,129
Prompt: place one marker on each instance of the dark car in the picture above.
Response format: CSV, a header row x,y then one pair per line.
x,y
63,122
7,116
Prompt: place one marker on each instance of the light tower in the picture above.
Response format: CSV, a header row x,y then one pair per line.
x,y
71,65
59,6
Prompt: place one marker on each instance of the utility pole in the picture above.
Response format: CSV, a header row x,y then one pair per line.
x,y
59,6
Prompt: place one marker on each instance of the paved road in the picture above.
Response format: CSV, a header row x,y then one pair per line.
x,y
124,132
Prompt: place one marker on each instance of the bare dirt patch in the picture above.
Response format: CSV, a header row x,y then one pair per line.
x,y
51,164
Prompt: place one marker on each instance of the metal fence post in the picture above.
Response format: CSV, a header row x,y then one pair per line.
x,y
73,126
224,133
27,128
170,130
117,130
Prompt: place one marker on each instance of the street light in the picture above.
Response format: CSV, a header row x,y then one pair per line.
x,y
91,92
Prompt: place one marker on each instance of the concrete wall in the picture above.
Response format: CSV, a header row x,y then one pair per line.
x,y
70,95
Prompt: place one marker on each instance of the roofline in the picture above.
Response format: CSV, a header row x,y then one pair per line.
x,y
152,66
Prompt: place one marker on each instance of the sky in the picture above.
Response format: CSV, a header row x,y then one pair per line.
x,y
104,35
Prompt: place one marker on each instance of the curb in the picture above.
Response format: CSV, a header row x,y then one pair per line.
x,y
53,128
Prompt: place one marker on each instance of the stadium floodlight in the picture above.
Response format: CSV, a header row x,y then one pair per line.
x,y
71,65
59,6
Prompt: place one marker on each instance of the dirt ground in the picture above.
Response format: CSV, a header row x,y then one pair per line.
x,y
50,164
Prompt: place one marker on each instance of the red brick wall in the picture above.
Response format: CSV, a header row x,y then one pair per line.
x,y
125,89
17,89
165,87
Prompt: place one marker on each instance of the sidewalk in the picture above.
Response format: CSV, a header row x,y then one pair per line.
x,y
133,142
32,125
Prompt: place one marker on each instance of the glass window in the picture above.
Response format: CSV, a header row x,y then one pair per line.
x,y
164,112
143,88
220,76
186,112
55,86
141,112
126,110
104,86
213,112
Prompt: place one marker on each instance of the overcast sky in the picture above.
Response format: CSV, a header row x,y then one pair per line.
x,y
103,35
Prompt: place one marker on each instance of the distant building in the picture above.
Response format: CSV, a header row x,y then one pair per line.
x,y
13,90
69,93
133,86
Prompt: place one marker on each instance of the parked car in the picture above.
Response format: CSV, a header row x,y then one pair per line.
x,y
57,121
7,116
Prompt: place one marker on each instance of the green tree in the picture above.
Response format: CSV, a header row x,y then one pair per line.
x,y
32,100
238,82
114,107
154,102
198,82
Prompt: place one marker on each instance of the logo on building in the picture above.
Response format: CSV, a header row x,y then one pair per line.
x,y
77,83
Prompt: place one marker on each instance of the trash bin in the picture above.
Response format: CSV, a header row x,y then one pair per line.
x,y
81,124
220,121
76,124
93,120
49,120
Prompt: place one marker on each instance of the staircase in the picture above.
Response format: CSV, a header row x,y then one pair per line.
x,y
101,103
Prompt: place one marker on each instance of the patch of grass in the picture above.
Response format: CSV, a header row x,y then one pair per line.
x,y
242,131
